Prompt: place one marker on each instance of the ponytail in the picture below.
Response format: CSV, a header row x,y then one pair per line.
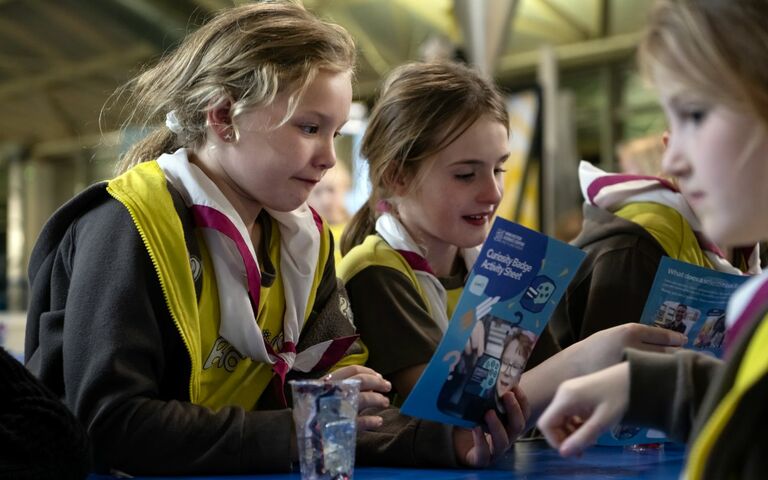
x,y
159,141
362,224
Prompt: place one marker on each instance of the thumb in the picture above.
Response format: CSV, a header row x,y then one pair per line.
x,y
587,434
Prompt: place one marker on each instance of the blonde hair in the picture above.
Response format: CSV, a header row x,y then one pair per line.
x,y
422,109
716,48
247,55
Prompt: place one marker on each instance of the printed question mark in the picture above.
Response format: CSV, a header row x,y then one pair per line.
x,y
456,357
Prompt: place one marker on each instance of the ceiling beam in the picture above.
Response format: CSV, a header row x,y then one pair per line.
x,y
437,15
485,25
604,17
213,6
572,22
17,34
55,14
72,72
153,22
12,63
590,52
59,113
538,28
152,12
368,46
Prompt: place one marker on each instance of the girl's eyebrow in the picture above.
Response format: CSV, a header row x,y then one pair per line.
x,y
467,161
324,117
475,161
674,100
682,98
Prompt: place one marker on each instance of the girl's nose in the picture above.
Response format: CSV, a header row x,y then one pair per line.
x,y
326,157
674,162
491,191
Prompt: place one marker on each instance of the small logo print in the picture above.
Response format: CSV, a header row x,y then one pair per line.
x,y
196,266
346,310
479,282
223,355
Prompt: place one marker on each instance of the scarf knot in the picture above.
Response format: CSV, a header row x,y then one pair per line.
x,y
237,270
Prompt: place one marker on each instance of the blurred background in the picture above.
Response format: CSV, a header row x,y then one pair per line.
x,y
567,67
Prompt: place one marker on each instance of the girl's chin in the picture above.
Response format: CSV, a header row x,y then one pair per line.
x,y
729,235
469,244
287,205
471,239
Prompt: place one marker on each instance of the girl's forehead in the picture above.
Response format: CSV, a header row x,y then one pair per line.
x,y
671,82
672,90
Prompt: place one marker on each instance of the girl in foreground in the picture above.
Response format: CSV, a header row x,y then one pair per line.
x,y
171,304
704,57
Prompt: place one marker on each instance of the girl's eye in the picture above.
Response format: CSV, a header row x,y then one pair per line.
x,y
310,129
336,134
694,115
499,170
464,176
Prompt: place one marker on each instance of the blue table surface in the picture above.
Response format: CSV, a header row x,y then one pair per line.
x,y
531,460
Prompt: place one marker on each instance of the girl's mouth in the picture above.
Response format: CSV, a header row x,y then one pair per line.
x,y
477,220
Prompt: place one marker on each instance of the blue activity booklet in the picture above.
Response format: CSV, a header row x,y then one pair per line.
x,y
691,300
512,290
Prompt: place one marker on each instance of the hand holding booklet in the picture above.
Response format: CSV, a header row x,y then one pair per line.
x,y
691,300
512,290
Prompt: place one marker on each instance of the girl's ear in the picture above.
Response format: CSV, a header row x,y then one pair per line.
x,y
399,184
219,118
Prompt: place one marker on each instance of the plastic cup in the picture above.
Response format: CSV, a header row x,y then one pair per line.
x,y
325,414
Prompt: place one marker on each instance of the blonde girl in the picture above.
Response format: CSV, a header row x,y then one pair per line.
x,y
707,59
170,305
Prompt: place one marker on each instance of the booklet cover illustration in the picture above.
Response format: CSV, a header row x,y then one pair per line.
x,y
515,284
690,300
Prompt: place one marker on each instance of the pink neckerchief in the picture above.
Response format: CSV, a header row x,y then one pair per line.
x,y
612,191
395,234
237,271
745,307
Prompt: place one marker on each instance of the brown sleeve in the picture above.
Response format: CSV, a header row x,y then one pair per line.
x,y
613,292
395,325
667,390
406,442
392,319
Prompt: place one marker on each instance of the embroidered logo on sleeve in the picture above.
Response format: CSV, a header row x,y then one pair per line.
x,y
346,310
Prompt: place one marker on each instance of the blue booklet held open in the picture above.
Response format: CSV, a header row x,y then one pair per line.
x,y
691,300
515,284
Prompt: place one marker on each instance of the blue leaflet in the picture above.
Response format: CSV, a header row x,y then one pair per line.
x,y
691,300
515,284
